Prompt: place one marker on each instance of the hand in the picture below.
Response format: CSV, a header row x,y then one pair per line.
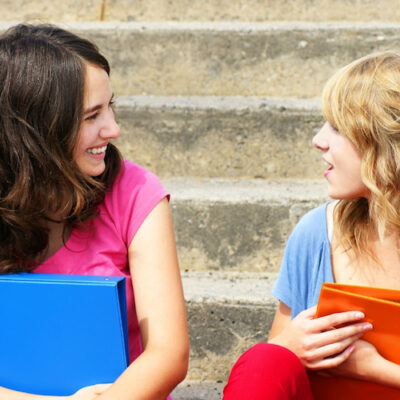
x,y
90,392
361,364
322,342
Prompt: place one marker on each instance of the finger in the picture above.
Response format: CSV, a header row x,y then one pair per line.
x,y
340,334
332,362
337,319
95,389
101,387
332,349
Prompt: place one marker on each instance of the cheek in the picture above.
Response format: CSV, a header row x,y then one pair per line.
x,y
356,161
355,177
76,149
82,141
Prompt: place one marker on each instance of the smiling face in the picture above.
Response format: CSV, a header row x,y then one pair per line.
x,y
344,164
98,125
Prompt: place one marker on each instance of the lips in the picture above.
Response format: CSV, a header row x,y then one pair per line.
x,y
328,171
330,168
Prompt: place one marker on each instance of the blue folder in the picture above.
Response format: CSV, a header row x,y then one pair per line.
x,y
59,333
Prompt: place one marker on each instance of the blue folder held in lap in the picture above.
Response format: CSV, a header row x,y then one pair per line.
x,y
59,333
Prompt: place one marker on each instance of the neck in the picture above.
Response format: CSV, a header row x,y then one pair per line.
x,y
59,233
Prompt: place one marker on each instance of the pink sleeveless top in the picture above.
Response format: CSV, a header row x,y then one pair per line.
x,y
100,246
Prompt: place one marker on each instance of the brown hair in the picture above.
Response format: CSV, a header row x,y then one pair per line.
x,y
362,101
42,74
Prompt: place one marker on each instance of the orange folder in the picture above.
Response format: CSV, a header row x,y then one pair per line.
x,y
382,309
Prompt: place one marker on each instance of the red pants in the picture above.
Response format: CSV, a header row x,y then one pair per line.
x,y
267,371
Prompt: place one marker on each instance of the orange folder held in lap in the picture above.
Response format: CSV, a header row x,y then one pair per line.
x,y
381,308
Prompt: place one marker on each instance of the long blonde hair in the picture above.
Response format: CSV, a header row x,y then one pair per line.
x,y
362,101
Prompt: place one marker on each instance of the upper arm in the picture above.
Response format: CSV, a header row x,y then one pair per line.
x,y
281,320
156,281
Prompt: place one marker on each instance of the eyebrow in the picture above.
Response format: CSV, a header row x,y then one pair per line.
x,y
92,109
96,107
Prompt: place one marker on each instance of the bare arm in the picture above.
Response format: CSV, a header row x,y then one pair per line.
x,y
281,320
161,313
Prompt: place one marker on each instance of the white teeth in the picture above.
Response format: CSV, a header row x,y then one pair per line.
x,y
97,150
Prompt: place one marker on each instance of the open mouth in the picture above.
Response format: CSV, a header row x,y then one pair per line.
x,y
330,168
97,150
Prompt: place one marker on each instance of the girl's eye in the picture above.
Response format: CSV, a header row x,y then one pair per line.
x,y
334,128
92,117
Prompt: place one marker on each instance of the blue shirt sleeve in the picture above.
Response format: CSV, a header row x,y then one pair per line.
x,y
306,263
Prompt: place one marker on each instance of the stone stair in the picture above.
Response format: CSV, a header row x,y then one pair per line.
x,y
200,10
221,99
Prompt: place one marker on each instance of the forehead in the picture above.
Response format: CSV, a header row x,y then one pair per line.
x,y
97,86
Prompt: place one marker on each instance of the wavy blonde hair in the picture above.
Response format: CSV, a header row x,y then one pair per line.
x,y
362,101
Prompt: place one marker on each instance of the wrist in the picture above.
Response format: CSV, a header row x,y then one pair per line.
x,y
276,340
386,372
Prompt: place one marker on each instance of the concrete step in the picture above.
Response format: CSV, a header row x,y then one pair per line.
x,y
199,390
55,11
227,314
238,225
231,137
200,10
232,59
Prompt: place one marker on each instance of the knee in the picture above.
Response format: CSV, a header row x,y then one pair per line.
x,y
268,371
265,358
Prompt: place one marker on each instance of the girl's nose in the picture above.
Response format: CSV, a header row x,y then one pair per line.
x,y
111,129
319,141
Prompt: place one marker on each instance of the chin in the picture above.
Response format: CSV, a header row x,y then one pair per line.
x,y
334,194
93,171
345,196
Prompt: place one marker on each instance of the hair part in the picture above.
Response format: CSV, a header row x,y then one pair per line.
x,y
42,76
362,101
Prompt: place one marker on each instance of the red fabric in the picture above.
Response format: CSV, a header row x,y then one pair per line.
x,y
267,371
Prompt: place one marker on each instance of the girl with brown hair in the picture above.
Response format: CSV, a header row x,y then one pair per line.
x,y
70,205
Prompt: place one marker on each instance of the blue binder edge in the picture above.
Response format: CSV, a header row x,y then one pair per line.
x,y
124,315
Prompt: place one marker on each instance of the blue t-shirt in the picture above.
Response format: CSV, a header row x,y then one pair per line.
x,y
306,263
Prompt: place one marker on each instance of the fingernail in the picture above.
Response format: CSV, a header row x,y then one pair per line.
x,y
367,326
359,314
351,348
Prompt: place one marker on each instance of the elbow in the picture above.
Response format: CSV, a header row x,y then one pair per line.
x,y
181,361
172,360
185,364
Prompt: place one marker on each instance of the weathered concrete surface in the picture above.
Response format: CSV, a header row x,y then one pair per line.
x,y
238,225
47,10
221,137
198,390
200,10
229,59
227,314
252,10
